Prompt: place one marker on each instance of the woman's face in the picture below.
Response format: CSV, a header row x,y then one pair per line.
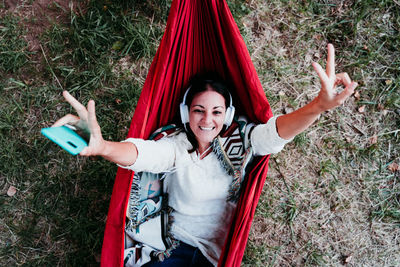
x,y
206,117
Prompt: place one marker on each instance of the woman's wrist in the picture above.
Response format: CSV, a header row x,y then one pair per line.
x,y
123,153
104,149
316,107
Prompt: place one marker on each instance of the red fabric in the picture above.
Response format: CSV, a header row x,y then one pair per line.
x,y
200,35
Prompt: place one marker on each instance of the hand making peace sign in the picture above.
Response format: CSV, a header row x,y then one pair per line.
x,y
328,96
87,122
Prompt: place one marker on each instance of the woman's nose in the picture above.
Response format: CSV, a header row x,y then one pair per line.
x,y
207,117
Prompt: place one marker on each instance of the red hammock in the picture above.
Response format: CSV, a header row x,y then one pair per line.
x,y
201,35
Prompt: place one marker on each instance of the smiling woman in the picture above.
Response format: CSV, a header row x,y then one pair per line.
x,y
196,159
202,177
202,188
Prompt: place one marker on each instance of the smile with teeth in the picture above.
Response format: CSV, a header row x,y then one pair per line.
x,y
206,128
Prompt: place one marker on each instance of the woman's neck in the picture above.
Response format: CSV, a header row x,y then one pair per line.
x,y
204,150
203,147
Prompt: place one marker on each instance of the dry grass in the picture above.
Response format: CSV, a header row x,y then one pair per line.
x,y
319,200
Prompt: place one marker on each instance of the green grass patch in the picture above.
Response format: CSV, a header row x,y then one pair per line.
x,y
13,47
57,216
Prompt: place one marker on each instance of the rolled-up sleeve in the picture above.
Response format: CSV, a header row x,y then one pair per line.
x,y
153,156
266,140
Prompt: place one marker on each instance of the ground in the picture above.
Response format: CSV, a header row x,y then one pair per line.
x,y
332,196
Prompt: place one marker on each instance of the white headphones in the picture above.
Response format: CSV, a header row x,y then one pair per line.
x,y
184,110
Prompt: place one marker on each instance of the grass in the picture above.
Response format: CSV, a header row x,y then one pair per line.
x,y
330,197
338,180
13,54
57,216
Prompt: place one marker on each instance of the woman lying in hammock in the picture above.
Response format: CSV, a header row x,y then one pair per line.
x,y
201,192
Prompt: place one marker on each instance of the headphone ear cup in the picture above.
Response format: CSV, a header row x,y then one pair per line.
x,y
229,114
184,110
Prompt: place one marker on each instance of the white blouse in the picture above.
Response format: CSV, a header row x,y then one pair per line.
x,y
198,189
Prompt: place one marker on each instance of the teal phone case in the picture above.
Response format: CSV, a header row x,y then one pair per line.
x,y
66,138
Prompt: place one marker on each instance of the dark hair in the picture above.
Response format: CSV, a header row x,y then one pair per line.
x,y
200,83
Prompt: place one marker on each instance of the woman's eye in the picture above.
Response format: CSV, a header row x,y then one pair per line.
x,y
198,111
217,112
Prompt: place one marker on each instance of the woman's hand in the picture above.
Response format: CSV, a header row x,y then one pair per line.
x,y
328,97
86,122
294,123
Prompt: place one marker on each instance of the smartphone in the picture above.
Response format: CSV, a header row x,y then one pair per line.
x,y
66,137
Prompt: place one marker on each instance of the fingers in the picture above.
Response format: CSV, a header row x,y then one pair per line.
x,y
67,119
80,109
324,75
92,120
348,91
86,152
343,78
330,63
320,71
96,143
